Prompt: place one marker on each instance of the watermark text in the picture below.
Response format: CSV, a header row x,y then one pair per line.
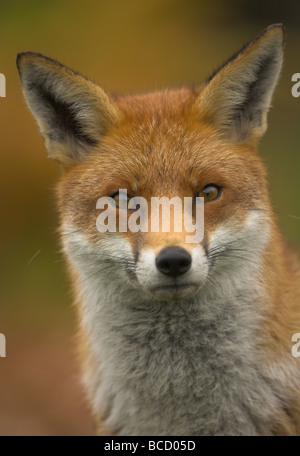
x,y
2,346
2,85
296,87
296,347
165,215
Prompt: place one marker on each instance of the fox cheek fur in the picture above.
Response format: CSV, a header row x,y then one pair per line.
x,y
176,338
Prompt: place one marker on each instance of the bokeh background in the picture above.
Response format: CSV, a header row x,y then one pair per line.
x,y
126,46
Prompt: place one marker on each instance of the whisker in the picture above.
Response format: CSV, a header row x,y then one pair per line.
x,y
224,244
227,256
59,261
99,271
34,256
294,217
69,233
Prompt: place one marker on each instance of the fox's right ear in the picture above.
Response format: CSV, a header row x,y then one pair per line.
x,y
71,111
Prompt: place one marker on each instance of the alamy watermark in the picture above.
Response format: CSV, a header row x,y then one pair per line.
x,y
2,337
296,347
296,87
2,346
2,86
134,215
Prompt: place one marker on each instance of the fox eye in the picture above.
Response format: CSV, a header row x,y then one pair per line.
x,y
122,200
210,192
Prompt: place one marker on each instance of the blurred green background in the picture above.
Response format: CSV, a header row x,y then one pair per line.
x,y
126,46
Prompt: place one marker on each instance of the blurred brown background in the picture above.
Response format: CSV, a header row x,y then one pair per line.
x,y
126,46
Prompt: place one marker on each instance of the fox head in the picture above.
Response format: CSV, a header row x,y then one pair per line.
x,y
173,143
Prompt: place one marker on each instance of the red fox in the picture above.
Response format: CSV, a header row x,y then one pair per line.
x,y
177,338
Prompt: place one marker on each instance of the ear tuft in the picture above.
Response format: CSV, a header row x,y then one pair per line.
x,y
237,97
72,112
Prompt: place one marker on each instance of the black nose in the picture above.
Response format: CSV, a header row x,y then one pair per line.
x,y
173,261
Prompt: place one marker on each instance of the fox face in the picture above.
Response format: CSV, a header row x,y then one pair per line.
x,y
162,264
173,143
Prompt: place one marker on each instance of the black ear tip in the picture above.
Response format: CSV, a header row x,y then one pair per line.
x,y
276,28
41,60
23,55
279,26
18,60
274,33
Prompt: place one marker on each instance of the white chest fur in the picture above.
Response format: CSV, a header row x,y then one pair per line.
x,y
184,368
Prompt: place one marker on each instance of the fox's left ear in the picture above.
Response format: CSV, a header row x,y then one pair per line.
x,y
237,97
72,112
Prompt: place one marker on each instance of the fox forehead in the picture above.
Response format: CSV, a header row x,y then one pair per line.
x,y
160,147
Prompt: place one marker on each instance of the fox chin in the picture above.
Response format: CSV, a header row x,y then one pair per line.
x,y
176,337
